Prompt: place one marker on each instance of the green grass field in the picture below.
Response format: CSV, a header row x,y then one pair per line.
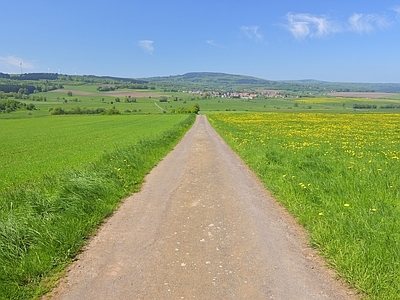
x,y
339,175
79,168
30,148
145,102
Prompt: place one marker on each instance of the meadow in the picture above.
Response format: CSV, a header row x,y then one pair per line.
x,y
86,96
338,174
32,147
65,175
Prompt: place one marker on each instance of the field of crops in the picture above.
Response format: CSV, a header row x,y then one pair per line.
x,y
339,174
61,176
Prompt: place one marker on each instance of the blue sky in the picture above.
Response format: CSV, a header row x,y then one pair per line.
x,y
356,41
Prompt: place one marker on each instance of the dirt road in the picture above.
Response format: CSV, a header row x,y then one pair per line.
x,y
202,227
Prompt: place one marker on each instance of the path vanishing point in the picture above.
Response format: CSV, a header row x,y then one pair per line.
x,y
202,227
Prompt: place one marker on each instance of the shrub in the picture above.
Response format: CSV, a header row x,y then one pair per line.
x,y
113,111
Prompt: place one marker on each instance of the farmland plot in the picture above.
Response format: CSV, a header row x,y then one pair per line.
x,y
30,148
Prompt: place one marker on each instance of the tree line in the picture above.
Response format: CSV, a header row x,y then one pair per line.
x,y
22,89
83,111
6,76
8,106
364,106
194,109
131,86
35,76
15,88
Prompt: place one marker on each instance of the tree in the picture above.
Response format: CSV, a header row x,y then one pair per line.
x,y
195,108
22,91
69,93
129,99
30,106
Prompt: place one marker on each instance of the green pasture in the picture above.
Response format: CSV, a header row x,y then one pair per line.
x,y
90,88
32,147
338,174
175,100
64,175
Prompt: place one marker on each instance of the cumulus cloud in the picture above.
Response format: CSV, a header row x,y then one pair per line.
x,y
302,25
252,33
147,45
14,61
361,23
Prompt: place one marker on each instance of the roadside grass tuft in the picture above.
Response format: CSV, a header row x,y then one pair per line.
x,y
44,224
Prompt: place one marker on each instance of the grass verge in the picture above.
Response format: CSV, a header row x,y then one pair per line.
x,y
44,225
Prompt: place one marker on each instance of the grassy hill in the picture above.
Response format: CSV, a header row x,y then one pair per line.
x,y
216,81
222,81
205,81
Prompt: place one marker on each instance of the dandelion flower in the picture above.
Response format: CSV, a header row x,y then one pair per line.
x,y
346,205
320,214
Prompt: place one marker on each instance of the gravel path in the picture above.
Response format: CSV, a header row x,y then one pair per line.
x,y
203,227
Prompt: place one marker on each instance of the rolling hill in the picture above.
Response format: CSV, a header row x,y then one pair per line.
x,y
211,81
215,81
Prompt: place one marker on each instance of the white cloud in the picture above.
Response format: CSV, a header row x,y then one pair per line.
x,y
14,61
361,23
397,10
302,25
147,46
212,43
252,33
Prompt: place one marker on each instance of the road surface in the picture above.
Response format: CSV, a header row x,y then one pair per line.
x,y
202,227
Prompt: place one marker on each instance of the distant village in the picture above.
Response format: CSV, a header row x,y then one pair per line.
x,y
241,95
